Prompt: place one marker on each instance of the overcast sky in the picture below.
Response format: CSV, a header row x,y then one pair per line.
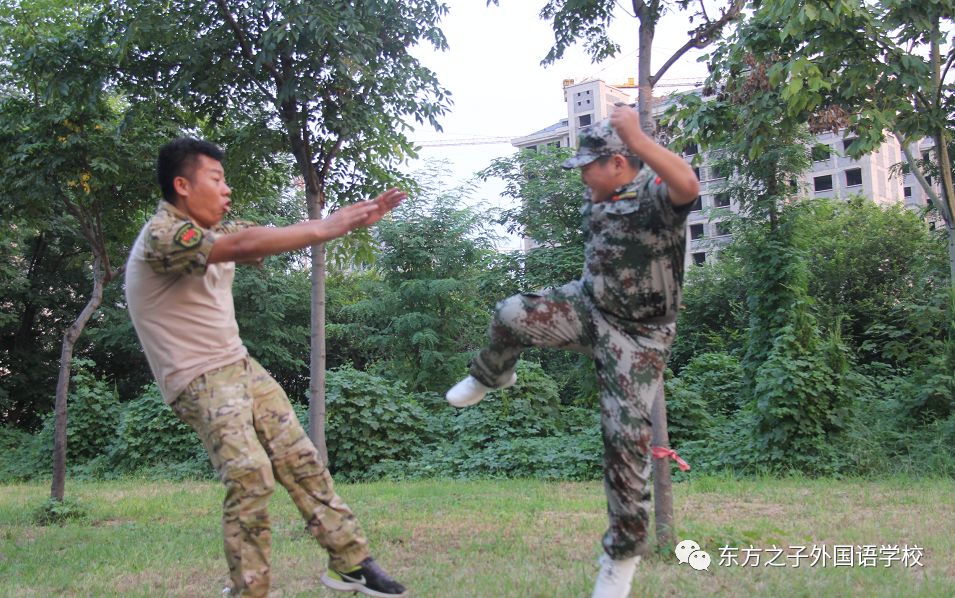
x,y
499,89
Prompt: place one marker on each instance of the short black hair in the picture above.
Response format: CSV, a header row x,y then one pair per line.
x,y
633,161
178,157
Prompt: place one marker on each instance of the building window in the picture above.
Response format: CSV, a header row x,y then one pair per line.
x,y
583,120
907,191
853,177
699,258
696,171
906,167
531,148
722,229
696,231
721,171
821,152
822,183
721,200
690,149
697,204
846,143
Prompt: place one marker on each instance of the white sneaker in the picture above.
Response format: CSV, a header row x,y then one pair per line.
x,y
469,391
614,578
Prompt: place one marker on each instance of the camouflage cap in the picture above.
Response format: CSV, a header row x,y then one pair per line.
x,y
595,141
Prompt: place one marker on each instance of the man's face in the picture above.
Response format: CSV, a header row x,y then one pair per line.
x,y
203,194
601,177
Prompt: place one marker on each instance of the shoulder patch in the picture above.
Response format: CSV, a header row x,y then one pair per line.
x,y
188,236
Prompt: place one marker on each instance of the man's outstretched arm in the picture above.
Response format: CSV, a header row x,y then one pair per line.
x,y
257,242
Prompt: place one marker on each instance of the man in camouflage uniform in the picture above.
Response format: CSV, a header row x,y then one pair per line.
x,y
179,291
622,312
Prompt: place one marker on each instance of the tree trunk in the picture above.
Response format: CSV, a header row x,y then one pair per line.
x,y
951,253
947,200
644,74
941,202
316,401
63,381
662,485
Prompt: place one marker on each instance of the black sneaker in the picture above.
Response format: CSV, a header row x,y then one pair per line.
x,y
368,578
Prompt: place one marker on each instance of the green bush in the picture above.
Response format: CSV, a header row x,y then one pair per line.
x,y
92,414
708,389
886,437
58,512
369,419
529,408
150,438
24,456
518,432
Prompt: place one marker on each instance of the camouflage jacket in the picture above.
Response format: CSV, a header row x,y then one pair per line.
x,y
634,250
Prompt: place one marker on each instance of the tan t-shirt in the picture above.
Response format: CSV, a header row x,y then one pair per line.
x,y
181,306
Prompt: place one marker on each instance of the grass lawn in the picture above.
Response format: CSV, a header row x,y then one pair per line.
x,y
487,538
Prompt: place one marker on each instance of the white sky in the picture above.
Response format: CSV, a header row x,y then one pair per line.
x,y
499,88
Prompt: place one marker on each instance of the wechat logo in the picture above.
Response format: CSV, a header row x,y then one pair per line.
x,y
688,552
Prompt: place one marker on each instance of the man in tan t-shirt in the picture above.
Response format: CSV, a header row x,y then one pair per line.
x,y
179,291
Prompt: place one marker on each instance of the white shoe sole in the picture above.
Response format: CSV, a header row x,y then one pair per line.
x,y
344,586
475,400
460,404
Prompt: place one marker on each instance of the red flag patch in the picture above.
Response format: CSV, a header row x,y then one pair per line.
x,y
188,236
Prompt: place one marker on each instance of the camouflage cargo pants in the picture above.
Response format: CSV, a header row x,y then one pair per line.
x,y
252,436
629,358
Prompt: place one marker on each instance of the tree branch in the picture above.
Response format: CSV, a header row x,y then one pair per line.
x,y
329,158
929,191
244,44
941,81
702,37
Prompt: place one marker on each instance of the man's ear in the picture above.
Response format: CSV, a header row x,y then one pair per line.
x,y
181,185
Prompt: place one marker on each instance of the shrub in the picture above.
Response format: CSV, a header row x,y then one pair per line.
x,y
519,432
24,455
369,420
708,388
149,435
92,414
58,512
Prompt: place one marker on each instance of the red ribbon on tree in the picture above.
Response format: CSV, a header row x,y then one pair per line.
x,y
662,452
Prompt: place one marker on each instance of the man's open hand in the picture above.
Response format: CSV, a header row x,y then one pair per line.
x,y
361,214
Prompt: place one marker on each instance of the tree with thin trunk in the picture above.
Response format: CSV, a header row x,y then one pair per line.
x,y
797,380
334,81
71,153
872,70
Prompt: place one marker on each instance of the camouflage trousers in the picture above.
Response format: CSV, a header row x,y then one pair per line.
x,y
252,436
629,358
